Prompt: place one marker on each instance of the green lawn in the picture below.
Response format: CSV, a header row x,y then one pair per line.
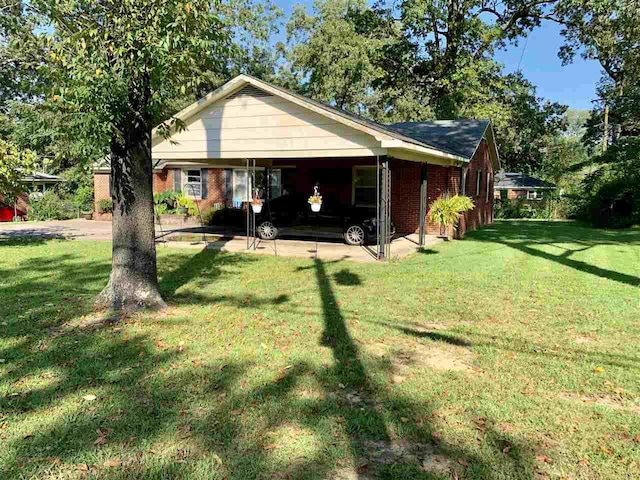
x,y
510,354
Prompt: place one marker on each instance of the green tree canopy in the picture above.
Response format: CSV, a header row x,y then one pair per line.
x,y
112,70
424,60
14,165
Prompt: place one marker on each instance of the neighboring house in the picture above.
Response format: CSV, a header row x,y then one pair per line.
x,y
36,182
516,186
299,143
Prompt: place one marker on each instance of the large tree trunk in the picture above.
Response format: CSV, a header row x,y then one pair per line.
x,y
134,280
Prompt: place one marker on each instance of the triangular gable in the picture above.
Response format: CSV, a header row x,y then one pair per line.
x,y
250,122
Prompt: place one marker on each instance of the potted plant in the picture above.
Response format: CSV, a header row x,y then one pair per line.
x,y
185,206
256,203
315,200
446,212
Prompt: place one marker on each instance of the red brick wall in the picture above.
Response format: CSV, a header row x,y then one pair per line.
x,y
215,187
163,181
405,195
441,181
405,192
405,188
482,214
100,188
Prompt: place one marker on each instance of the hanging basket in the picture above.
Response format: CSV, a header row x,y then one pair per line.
x,y
315,207
257,208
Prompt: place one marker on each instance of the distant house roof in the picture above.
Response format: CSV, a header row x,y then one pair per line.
x,y
460,137
41,177
512,180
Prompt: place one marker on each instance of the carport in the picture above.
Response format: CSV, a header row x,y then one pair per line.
x,y
382,198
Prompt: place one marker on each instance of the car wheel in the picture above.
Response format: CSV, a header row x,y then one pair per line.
x,y
267,231
355,235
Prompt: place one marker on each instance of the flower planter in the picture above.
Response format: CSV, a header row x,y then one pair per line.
x,y
86,215
169,219
315,207
257,208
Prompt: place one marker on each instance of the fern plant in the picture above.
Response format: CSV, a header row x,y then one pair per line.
x,y
446,212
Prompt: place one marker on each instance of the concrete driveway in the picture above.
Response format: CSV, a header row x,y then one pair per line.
x,y
63,229
70,229
189,237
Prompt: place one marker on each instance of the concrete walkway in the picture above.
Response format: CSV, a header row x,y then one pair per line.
x,y
400,248
190,237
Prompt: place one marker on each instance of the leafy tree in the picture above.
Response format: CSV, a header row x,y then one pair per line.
x,y
424,60
14,164
446,47
122,62
609,32
331,48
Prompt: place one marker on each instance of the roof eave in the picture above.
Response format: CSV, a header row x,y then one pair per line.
x,y
430,152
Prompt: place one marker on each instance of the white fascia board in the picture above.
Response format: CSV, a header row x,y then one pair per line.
x,y
430,152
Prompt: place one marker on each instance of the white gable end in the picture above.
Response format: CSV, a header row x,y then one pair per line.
x,y
251,123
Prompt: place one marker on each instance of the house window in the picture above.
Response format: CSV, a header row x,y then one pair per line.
x,y
486,198
463,181
276,183
534,195
241,184
478,182
192,183
364,192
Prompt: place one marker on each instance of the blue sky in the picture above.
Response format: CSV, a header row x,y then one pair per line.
x,y
573,85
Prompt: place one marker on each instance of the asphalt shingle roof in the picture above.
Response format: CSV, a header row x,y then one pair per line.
x,y
460,137
42,177
519,180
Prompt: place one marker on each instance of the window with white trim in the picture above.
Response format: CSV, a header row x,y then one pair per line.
x,y
192,183
486,193
535,195
463,181
240,185
364,193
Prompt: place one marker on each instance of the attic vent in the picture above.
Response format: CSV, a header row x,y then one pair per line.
x,y
249,91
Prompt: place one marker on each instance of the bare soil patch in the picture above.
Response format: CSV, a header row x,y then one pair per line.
x,y
605,400
419,356
427,456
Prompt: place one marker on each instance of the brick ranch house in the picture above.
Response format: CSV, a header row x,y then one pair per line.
x,y
302,143
517,186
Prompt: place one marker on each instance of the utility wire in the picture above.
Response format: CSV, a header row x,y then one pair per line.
x,y
524,47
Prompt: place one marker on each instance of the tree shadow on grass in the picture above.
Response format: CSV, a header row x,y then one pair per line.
x,y
161,413
519,345
525,236
373,413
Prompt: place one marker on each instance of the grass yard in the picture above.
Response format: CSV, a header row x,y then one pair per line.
x,y
511,354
